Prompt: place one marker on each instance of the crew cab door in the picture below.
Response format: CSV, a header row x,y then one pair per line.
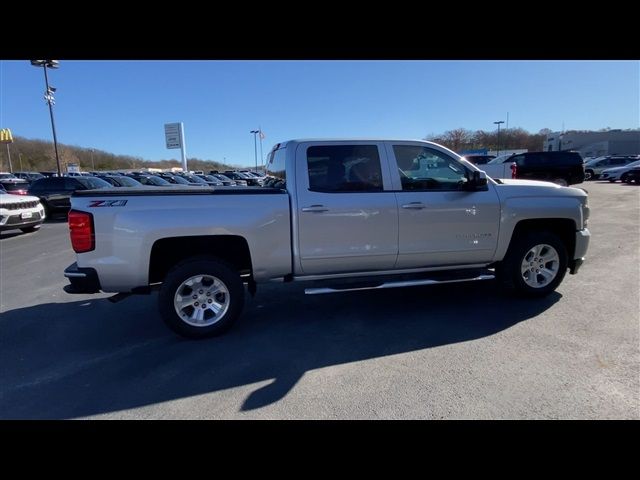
x,y
347,216
440,223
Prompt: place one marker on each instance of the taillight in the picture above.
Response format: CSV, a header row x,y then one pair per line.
x,y
81,231
514,170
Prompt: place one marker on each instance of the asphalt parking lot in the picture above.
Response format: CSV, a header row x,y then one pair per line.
x,y
459,351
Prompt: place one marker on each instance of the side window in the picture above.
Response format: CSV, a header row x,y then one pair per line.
x,y
276,171
56,184
618,161
344,168
70,184
423,168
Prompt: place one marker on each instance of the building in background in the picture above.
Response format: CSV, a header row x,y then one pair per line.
x,y
595,144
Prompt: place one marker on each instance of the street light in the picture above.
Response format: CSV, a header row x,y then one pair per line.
x,y
48,96
255,146
93,166
498,123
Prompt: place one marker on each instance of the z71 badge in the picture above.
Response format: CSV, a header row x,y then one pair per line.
x,y
107,203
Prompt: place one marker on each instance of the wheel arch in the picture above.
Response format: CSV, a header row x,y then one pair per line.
x,y
167,252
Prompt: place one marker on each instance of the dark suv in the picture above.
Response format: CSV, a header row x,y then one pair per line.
x,y
55,192
563,168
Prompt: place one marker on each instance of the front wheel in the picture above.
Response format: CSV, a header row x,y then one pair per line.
x,y
588,175
201,297
535,264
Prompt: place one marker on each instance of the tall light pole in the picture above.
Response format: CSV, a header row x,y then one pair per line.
x,y
48,96
20,157
255,146
498,123
93,165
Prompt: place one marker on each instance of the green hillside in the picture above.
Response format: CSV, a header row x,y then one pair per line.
x,y
38,155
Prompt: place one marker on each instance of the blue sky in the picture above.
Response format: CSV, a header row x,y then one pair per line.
x,y
122,106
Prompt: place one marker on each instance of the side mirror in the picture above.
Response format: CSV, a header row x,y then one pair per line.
x,y
477,180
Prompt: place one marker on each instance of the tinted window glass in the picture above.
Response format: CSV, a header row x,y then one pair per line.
x,y
276,171
423,168
344,168
90,182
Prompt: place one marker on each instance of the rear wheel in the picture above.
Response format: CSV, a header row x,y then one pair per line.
x,y
535,264
588,174
201,297
623,177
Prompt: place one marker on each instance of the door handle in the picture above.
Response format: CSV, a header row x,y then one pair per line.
x,y
414,206
315,208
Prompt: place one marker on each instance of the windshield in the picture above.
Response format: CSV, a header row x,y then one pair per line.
x,y
180,180
127,182
157,181
499,159
93,182
7,175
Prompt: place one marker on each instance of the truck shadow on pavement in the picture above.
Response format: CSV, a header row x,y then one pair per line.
x,y
82,358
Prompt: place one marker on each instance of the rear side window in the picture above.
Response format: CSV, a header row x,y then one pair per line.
x,y
276,171
344,168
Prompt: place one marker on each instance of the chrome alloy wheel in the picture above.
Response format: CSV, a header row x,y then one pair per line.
x,y
540,266
201,300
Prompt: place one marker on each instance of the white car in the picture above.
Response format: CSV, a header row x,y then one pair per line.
x,y
20,212
618,173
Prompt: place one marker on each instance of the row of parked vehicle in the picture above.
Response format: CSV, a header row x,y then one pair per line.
x,y
54,193
564,168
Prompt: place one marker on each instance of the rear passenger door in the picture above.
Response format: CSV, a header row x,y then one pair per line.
x,y
55,192
346,212
440,223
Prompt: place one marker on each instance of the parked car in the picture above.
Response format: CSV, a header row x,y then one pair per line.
x,y
150,180
618,173
176,180
120,180
226,181
7,176
29,176
633,175
15,186
593,168
55,192
479,159
20,212
239,178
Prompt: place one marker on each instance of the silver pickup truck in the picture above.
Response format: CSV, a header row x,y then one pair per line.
x,y
339,214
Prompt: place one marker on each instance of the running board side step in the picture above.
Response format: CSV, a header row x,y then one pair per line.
x,y
397,284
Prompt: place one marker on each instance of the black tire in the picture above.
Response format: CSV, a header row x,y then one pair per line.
x,y
589,175
623,177
33,228
509,270
47,209
201,265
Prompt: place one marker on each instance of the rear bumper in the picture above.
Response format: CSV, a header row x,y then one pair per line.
x,y
582,245
82,280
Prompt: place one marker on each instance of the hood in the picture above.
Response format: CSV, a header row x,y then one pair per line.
x,y
540,183
535,188
9,198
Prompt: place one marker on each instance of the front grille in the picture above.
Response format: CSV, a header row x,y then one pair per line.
x,y
18,220
19,205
